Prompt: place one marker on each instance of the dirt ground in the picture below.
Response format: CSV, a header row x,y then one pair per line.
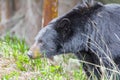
x,y
8,65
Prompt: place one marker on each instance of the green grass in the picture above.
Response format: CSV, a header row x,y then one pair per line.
x,y
12,74
15,49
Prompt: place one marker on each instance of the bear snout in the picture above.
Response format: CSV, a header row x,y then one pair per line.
x,y
30,54
34,54
34,51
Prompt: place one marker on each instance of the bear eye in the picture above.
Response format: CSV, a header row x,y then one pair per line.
x,y
40,41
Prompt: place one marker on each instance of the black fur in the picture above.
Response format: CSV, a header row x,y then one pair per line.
x,y
91,32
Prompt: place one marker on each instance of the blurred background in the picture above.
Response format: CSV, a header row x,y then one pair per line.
x,y
24,18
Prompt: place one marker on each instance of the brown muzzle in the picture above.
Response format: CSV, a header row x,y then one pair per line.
x,y
34,52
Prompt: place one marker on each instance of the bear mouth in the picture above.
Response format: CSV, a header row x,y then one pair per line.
x,y
51,58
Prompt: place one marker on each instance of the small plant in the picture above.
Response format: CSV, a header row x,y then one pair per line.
x,y
79,75
11,75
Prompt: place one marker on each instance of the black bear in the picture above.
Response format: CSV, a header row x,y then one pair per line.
x,y
91,31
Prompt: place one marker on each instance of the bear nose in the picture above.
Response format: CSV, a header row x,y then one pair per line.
x,y
30,54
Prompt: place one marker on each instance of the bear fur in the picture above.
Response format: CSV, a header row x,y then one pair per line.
x,y
90,31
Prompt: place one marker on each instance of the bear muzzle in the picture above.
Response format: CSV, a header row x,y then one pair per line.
x,y
30,54
34,52
33,55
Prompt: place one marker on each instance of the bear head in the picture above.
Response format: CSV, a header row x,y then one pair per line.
x,y
64,34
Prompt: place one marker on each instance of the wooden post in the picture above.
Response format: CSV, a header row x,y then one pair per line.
x,y
50,11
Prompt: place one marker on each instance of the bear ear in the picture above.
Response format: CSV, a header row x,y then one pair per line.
x,y
64,23
64,27
88,3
